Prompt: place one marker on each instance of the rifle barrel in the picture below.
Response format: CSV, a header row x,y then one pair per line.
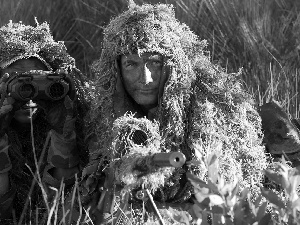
x,y
169,159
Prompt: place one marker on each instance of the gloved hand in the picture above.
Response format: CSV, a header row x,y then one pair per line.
x,y
8,106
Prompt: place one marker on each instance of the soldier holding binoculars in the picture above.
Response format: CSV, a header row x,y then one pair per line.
x,y
39,83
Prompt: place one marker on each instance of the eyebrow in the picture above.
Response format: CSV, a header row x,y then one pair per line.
x,y
155,57
129,61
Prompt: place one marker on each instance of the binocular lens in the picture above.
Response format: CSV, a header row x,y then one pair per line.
x,y
27,91
56,90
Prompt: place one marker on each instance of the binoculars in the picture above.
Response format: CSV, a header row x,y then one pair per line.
x,y
40,85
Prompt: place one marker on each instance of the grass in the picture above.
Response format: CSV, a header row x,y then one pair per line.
x,y
260,36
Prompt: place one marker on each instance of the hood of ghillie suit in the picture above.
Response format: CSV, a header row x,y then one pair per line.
x,y
19,41
201,105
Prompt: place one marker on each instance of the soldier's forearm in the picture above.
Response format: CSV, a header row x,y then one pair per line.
x,y
63,151
5,163
4,183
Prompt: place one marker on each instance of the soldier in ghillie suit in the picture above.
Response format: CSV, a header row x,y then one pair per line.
x,y
157,91
22,49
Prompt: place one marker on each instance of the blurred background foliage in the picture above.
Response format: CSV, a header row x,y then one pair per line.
x,y
260,36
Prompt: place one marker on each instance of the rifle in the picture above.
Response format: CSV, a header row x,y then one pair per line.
x,y
112,214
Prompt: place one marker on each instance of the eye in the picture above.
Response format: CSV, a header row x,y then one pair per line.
x,y
130,65
156,63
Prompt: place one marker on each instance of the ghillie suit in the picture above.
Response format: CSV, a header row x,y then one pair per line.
x,y
201,107
19,41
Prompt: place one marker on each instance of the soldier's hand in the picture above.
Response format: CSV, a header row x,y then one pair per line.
x,y
8,105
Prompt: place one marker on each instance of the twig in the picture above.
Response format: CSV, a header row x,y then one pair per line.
x,y
154,207
34,179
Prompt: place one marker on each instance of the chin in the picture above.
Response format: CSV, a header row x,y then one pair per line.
x,y
144,102
22,119
23,116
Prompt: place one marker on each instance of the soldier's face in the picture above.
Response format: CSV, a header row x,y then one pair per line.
x,y
142,75
23,65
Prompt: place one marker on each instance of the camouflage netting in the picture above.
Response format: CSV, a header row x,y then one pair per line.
x,y
19,41
201,104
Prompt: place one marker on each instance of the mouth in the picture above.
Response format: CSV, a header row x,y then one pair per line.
x,y
25,110
147,91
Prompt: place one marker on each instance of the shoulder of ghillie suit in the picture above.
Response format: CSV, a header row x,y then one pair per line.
x,y
22,41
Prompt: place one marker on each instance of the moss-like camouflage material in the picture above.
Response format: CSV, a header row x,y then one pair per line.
x,y
19,40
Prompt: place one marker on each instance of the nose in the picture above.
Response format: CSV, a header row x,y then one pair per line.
x,y
146,76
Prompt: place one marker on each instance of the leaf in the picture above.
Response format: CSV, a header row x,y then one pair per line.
x,y
217,209
296,204
238,213
227,189
221,181
230,202
257,201
294,178
215,199
272,197
235,189
213,173
265,220
261,210
213,187
212,167
217,219
252,208
278,178
201,193
212,159
204,204
297,169
244,193
196,211
180,216
205,218
196,182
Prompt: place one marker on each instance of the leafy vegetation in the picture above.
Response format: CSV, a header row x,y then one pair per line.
x,y
226,204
